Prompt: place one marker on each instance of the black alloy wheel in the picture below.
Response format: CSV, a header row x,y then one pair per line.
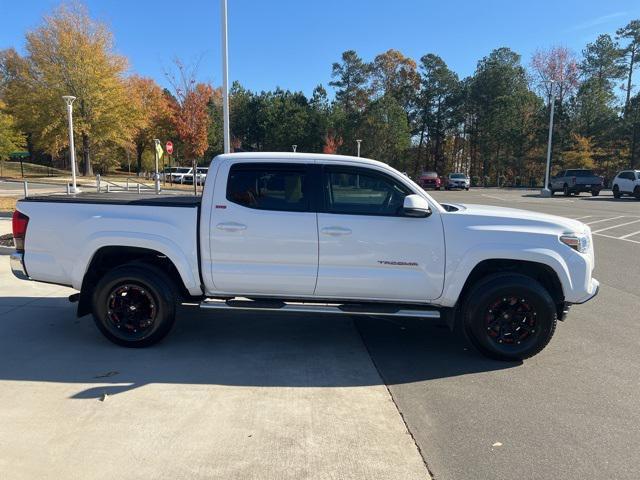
x,y
134,305
509,316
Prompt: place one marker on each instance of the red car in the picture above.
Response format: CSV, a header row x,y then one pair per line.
x,y
430,180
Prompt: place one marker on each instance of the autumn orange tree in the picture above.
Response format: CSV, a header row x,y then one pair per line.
x,y
69,54
190,111
151,114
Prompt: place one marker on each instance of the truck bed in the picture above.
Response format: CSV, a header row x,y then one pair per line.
x,y
65,232
121,198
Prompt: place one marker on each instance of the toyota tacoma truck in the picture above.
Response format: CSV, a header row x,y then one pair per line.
x,y
308,233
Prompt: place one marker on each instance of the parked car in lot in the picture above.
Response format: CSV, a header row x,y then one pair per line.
x,y
575,181
308,233
201,176
430,180
177,174
626,183
458,180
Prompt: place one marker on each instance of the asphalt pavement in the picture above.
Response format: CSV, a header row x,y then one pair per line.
x,y
571,412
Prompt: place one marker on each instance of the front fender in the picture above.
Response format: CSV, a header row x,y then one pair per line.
x,y
459,269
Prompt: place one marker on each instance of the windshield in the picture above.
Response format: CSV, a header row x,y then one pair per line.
x,y
430,174
458,175
580,173
203,170
183,170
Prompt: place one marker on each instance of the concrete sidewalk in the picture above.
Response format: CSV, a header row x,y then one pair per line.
x,y
230,397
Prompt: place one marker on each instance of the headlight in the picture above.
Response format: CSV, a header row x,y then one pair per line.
x,y
578,241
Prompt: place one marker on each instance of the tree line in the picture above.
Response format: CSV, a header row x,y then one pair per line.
x,y
414,115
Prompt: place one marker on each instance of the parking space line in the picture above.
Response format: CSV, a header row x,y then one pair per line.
x,y
617,238
629,235
582,218
605,220
616,226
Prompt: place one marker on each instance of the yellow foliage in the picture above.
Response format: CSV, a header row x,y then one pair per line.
x,y
69,54
11,140
582,153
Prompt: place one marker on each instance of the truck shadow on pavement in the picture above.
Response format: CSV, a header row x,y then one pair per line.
x,y
41,340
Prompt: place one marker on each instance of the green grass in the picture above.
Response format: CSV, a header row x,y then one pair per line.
x,y
31,170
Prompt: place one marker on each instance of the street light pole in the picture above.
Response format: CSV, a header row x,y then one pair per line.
x,y
72,149
156,176
358,142
225,78
546,192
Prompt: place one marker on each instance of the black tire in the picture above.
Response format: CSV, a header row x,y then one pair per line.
x,y
595,193
565,190
636,193
466,188
531,311
616,192
152,297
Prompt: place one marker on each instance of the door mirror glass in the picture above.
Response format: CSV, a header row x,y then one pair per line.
x,y
416,206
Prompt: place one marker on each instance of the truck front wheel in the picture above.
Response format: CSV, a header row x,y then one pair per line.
x,y
134,305
509,316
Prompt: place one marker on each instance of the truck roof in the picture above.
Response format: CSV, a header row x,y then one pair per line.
x,y
291,156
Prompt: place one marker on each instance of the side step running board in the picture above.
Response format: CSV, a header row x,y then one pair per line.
x,y
335,308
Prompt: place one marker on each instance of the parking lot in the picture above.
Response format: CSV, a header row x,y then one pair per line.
x,y
265,396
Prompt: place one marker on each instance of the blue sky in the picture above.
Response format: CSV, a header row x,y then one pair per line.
x,y
292,44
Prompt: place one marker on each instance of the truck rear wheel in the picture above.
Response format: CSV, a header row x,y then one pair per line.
x,y
509,316
134,305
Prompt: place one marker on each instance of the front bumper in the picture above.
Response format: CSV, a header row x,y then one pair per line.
x,y
16,261
594,288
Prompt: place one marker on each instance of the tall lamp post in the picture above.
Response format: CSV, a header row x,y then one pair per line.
x,y
156,175
358,142
225,78
546,192
72,149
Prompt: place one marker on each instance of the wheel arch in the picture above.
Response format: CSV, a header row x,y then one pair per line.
x,y
109,257
540,272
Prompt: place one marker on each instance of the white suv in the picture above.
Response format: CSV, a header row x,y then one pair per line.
x,y
458,180
627,182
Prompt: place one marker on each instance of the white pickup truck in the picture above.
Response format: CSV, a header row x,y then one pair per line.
x,y
284,232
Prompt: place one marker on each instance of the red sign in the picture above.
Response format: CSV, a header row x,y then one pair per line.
x,y
169,147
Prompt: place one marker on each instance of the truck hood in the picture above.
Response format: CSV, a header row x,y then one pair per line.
x,y
516,219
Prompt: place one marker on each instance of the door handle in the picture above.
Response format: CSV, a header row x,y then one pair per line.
x,y
231,227
336,231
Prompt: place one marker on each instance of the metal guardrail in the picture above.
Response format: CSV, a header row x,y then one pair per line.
x,y
115,187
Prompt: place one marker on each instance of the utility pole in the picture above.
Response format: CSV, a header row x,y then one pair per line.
x,y
225,78
546,192
72,149
358,142
156,176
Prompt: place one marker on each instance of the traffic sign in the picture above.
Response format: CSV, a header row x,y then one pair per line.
x,y
169,147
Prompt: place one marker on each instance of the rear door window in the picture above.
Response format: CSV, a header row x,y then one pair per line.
x,y
280,187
